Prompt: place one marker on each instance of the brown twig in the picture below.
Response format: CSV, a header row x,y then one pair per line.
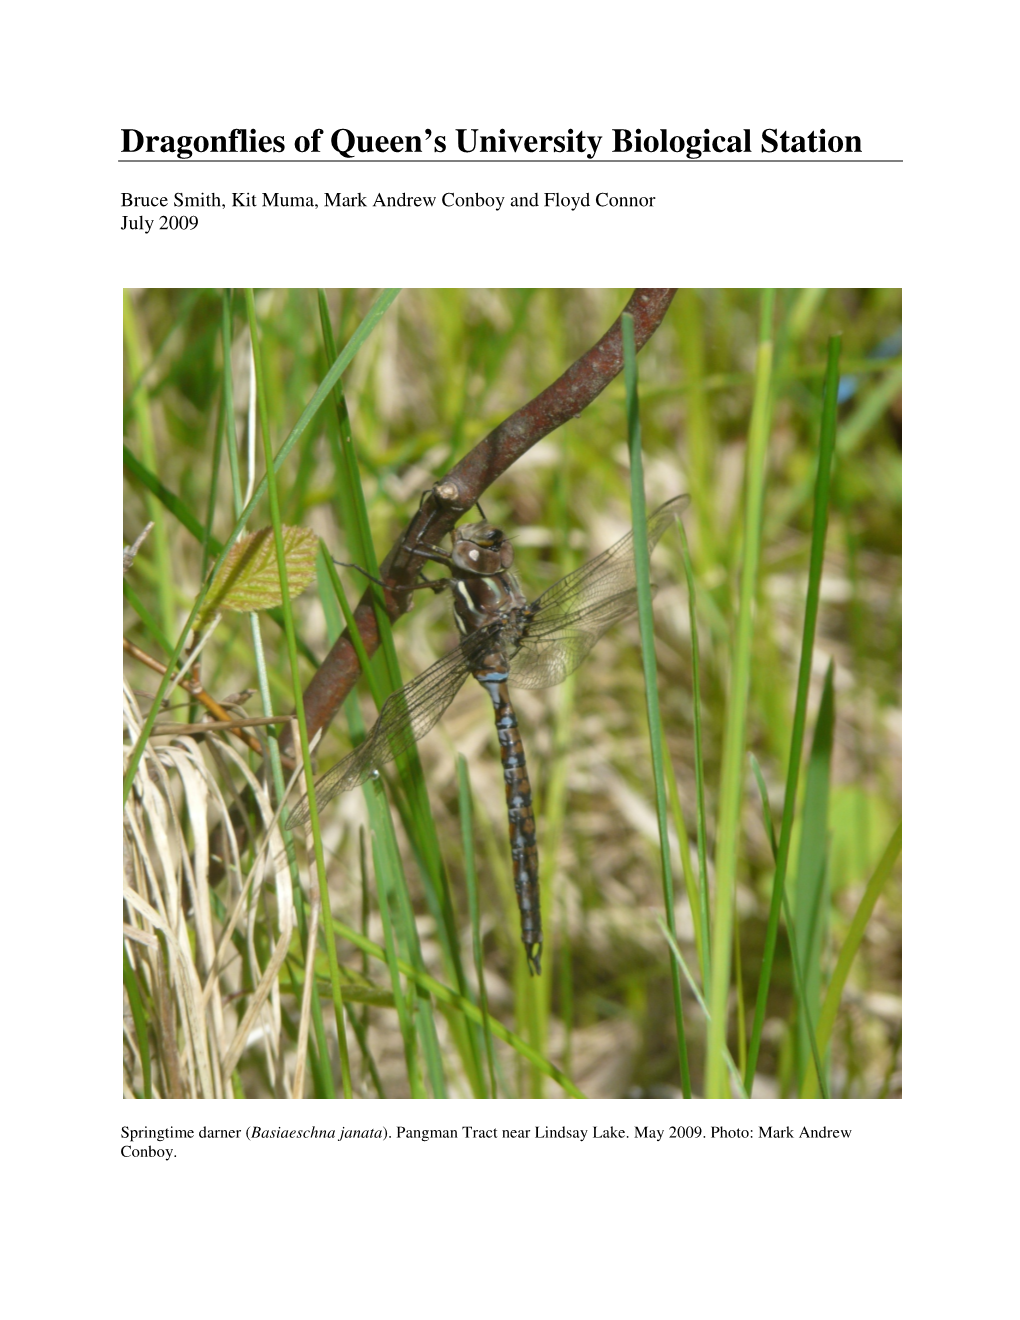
x,y
195,689
213,726
465,483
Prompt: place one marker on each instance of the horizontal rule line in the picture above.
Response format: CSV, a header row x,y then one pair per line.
x,y
403,160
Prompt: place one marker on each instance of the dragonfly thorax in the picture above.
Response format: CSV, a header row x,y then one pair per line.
x,y
484,589
479,601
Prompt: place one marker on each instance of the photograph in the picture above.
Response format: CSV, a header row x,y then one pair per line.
x,y
512,693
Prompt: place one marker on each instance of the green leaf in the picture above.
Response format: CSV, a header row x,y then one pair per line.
x,y
811,893
854,938
249,578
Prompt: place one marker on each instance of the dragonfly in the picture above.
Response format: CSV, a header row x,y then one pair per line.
x,y
506,642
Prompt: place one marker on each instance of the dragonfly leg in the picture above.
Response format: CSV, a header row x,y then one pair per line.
x,y
393,586
428,552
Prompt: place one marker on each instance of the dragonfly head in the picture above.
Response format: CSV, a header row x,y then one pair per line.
x,y
481,548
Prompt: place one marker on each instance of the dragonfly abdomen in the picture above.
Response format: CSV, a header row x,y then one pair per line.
x,y
541,642
523,848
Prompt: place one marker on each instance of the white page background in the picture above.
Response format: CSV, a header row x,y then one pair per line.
x,y
904,1214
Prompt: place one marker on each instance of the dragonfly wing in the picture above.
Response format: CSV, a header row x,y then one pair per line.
x,y
608,575
547,658
405,717
567,620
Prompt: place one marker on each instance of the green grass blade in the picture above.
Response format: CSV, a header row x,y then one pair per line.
x,y
471,878
407,928
398,894
148,622
734,1071
384,887
684,842
227,394
147,440
291,637
319,1056
646,624
382,824
361,1036
148,480
699,763
444,995
827,441
414,806
803,1007
811,896
735,736
833,995
393,894
766,807
699,432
